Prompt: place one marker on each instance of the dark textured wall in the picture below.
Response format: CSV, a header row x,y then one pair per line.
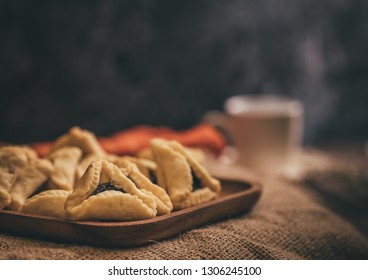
x,y
109,65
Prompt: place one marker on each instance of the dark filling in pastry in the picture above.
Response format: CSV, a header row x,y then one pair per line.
x,y
152,176
106,187
196,182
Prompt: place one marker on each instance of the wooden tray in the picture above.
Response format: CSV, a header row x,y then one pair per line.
x,y
238,196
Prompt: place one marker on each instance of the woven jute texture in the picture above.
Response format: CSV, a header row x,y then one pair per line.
x,y
290,221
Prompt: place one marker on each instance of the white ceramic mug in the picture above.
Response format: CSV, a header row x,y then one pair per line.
x,y
264,130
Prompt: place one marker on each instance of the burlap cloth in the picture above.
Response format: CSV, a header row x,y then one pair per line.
x,y
294,219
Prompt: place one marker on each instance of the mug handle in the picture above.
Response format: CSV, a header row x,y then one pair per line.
x,y
220,121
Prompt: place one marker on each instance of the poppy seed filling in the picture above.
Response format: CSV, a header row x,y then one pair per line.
x,y
152,177
196,182
106,187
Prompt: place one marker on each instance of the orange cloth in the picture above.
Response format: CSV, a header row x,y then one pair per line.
x,y
131,141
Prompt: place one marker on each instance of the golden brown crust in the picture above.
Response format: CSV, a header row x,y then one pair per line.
x,y
13,158
128,204
81,138
207,181
130,169
6,182
197,153
145,166
28,180
175,168
65,161
47,203
173,172
196,197
84,163
22,173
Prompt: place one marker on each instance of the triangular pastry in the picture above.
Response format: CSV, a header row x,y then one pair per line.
x,y
130,169
206,180
21,174
81,138
105,193
84,163
145,166
47,203
86,141
173,172
29,179
65,161
197,153
13,158
182,176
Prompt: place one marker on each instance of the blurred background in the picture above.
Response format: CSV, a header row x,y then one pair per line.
x,y
110,65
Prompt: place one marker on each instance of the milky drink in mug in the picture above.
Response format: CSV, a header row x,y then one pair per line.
x,y
265,130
